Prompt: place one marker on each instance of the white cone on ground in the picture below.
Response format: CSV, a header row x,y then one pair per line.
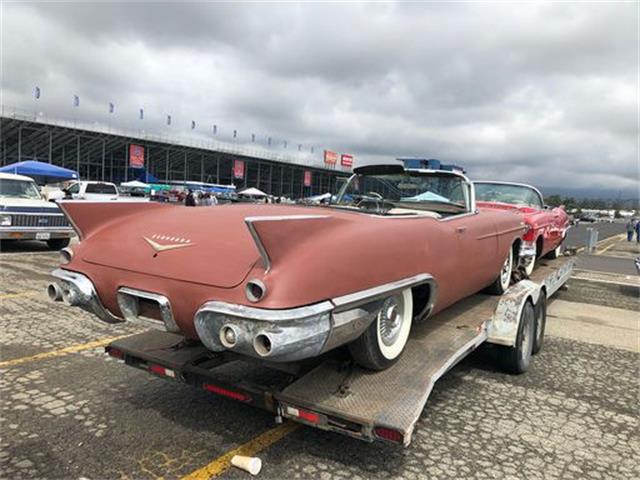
x,y
253,465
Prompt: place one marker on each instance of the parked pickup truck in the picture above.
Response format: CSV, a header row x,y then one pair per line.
x,y
95,191
25,215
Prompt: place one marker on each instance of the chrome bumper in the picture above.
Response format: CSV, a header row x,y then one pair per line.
x,y
527,253
76,289
298,333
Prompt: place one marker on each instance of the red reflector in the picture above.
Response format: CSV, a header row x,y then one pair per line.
x,y
227,393
308,416
388,434
156,369
115,353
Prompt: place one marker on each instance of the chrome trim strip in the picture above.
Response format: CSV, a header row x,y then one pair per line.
x,y
261,314
37,229
250,221
371,294
33,214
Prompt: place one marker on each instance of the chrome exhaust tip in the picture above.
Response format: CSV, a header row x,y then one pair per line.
x,y
54,292
228,336
262,345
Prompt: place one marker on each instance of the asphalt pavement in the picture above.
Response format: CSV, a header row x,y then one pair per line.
x,y
69,411
577,234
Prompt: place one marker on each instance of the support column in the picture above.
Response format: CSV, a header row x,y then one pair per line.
x,y
166,167
126,163
104,148
218,169
20,143
50,146
202,167
78,155
184,176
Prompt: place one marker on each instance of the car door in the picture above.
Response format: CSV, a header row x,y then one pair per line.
x,y
477,244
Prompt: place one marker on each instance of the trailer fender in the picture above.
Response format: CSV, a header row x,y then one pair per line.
x,y
559,277
503,327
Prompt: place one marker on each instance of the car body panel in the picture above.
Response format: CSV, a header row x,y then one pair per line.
x,y
313,259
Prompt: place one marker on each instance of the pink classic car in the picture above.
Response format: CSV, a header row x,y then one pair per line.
x,y
546,227
283,283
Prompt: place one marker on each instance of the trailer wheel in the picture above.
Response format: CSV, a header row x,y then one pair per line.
x,y
540,323
516,359
384,340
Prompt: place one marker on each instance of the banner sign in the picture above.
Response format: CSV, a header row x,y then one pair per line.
x,y
346,160
136,156
307,178
330,158
238,169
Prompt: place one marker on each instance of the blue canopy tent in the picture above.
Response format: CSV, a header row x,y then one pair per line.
x,y
41,172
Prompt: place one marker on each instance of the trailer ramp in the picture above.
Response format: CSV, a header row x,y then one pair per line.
x,y
393,399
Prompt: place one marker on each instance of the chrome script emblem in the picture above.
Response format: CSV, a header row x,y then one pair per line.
x,y
179,242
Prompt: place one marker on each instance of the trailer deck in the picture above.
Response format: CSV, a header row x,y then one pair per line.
x,y
333,393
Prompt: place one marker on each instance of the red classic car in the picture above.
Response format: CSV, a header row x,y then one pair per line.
x,y
284,283
546,227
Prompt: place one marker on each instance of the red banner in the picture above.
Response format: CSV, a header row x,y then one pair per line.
x,y
136,156
330,158
346,160
307,178
238,169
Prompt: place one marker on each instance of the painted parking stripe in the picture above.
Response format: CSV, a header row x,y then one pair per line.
x,y
62,351
249,449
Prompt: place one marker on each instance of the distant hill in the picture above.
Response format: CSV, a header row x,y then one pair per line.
x,y
628,194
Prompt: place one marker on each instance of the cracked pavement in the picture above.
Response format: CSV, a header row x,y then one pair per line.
x,y
83,415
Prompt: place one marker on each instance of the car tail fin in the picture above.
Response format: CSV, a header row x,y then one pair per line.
x,y
275,235
88,217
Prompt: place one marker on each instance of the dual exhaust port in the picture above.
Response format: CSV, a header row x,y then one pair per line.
x,y
261,342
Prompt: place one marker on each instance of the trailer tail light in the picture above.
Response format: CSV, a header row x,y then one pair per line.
x,y
115,353
242,397
302,414
388,434
167,372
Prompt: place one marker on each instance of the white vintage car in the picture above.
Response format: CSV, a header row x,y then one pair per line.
x,y
25,215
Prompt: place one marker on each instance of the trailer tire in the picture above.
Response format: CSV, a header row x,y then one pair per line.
x,y
540,323
383,342
517,359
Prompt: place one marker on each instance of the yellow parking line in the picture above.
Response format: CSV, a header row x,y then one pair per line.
x,y
5,296
249,449
62,351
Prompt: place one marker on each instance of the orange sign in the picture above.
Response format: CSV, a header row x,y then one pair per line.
x,y
346,160
136,156
330,158
238,169
307,178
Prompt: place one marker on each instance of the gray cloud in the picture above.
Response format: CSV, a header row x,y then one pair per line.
x,y
541,93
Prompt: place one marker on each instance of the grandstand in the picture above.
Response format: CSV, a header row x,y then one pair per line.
x,y
102,153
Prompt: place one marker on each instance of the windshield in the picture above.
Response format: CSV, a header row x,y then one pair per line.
x,y
396,193
512,194
19,189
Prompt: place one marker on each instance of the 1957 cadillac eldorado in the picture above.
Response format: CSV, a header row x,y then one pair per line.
x,y
546,228
283,283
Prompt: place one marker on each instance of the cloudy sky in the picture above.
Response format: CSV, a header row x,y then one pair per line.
x,y
535,92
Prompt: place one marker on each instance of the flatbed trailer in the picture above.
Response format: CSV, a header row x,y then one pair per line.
x,y
332,393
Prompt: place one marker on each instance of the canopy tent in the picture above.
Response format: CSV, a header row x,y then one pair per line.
x,y
252,192
145,176
135,184
41,172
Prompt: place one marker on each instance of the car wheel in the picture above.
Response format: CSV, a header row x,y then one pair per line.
x,y
384,340
517,359
540,322
528,270
500,285
556,252
58,243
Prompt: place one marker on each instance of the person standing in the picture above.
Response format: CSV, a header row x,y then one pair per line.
x,y
638,231
189,200
631,226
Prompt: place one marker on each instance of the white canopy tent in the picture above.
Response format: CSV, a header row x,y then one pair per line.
x,y
134,184
252,192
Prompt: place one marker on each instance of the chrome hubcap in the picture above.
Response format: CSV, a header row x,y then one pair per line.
x,y
390,320
505,274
